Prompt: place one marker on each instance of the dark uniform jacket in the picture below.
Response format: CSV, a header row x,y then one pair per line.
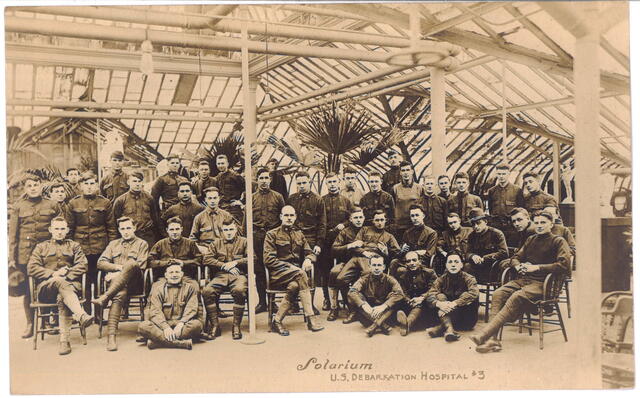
x,y
504,199
404,196
435,211
51,255
390,178
172,303
166,187
549,251
231,186
377,290
285,249
339,248
338,209
199,185
561,230
460,288
462,203
538,201
222,251
490,245
421,237
455,240
166,250
187,213
141,208
120,251
90,222
445,196
29,225
279,184
266,209
114,184
417,283
524,235
354,195
311,216
372,236
207,225
372,201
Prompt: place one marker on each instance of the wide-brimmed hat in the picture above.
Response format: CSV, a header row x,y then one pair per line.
x,y
476,214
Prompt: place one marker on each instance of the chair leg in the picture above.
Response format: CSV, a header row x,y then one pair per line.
x,y
36,316
270,299
564,331
566,288
541,325
529,324
486,304
99,317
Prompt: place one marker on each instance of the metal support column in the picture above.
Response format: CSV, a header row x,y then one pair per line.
x,y
249,122
438,123
588,222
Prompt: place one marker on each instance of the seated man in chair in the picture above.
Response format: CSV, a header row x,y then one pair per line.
x,y
227,257
288,258
541,254
375,296
486,245
123,261
420,239
57,265
173,310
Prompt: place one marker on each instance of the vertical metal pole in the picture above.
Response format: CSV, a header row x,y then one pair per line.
x,y
99,149
438,123
249,121
586,72
505,157
556,171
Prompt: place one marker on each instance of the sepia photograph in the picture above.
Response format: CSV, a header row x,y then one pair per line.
x,y
242,197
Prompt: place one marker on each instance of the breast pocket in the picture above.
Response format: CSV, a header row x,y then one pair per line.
x,y
99,215
283,247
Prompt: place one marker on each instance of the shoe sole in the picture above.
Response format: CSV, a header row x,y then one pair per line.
x,y
485,350
401,317
451,338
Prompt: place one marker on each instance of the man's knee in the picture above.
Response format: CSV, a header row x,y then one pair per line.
x,y
191,329
121,296
146,328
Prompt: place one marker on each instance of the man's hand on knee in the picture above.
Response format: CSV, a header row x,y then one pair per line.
x,y
177,330
169,334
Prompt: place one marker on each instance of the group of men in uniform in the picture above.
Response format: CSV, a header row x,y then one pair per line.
x,y
340,242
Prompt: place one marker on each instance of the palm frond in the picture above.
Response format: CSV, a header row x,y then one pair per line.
x,y
375,147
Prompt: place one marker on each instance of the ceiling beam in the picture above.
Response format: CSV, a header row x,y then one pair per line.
x,y
111,105
116,60
118,116
510,52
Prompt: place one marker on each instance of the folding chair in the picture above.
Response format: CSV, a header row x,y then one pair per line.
x,y
139,300
44,311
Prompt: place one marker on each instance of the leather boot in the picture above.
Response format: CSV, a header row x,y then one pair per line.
x,y
112,344
401,317
313,306
385,328
185,344
117,284
371,330
64,347
276,324
351,317
212,329
221,314
28,312
436,331
313,325
333,315
261,307
238,313
449,332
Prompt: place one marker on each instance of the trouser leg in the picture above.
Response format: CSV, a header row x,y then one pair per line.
x,y
119,282
91,278
150,331
68,295
465,317
260,271
512,310
191,329
65,319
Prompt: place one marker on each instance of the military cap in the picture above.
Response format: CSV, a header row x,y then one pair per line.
x,y
117,155
137,174
87,175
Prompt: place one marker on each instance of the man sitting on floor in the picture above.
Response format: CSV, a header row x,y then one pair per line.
x,y
455,296
416,280
542,253
173,309
57,266
227,257
288,258
375,296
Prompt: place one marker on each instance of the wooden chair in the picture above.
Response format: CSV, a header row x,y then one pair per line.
x,y
488,286
617,357
547,308
274,296
564,297
139,300
226,299
45,311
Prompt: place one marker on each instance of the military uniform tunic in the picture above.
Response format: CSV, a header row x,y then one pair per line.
x,y
166,187
114,184
462,203
435,211
390,178
91,223
537,201
187,213
285,249
166,250
207,225
140,207
381,200
29,222
311,216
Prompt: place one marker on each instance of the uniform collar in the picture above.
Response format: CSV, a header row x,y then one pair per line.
x,y
264,191
135,194
89,196
407,184
117,172
334,193
35,200
287,229
213,211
